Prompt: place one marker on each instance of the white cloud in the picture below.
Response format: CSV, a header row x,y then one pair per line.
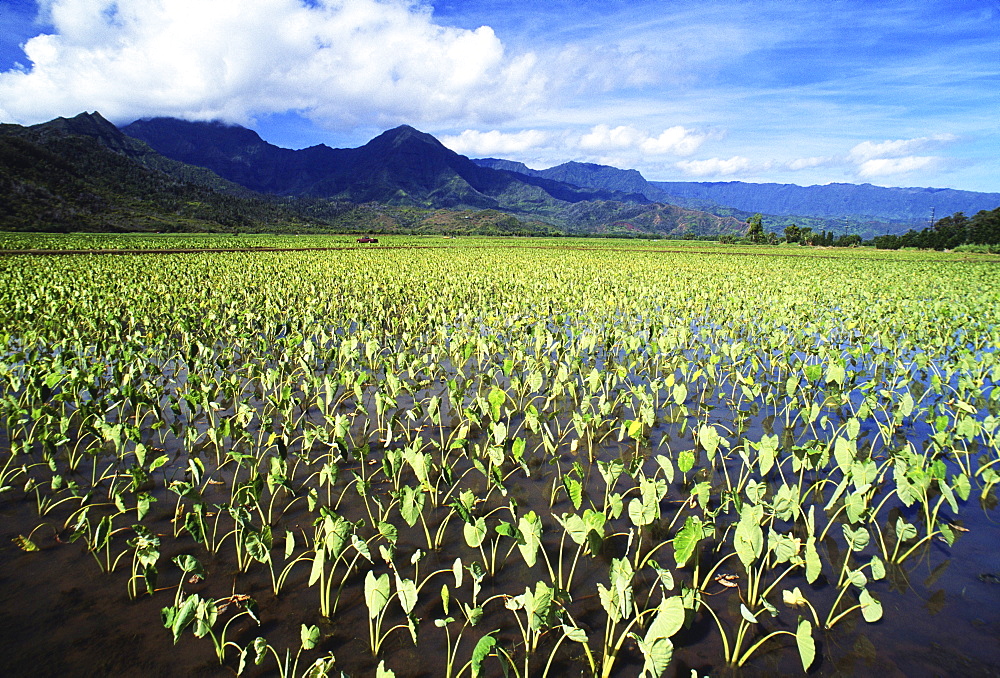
x,y
337,61
808,163
673,141
896,156
881,167
898,148
715,166
604,137
475,143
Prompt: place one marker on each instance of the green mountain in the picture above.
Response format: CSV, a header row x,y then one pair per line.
x,y
401,166
83,173
404,167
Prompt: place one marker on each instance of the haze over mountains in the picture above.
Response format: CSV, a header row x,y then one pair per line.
x,y
211,172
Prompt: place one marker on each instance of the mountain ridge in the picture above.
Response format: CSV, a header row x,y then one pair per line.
x,y
399,166
911,205
405,168
82,173
827,203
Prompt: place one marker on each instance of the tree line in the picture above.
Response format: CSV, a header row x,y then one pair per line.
x,y
957,230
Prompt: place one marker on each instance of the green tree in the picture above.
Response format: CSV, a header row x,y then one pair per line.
x,y
792,233
755,228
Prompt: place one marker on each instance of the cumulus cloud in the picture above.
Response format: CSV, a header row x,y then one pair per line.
x,y
673,141
336,61
715,166
474,142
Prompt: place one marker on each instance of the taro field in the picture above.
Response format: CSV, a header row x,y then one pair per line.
x,y
538,458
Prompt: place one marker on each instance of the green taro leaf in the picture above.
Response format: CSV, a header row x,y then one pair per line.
x,y
496,398
747,614
877,568
805,642
388,531
667,466
310,636
538,605
767,450
813,564
319,560
835,374
905,531
668,620
481,652
376,593
857,539
871,609
411,504
641,513
748,538
574,489
577,635
475,532
709,439
530,527
686,540
685,460
657,655
406,590
24,543
183,615
845,451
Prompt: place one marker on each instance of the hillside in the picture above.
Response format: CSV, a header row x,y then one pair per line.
x,y
54,180
82,174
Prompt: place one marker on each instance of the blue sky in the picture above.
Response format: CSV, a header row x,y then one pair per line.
x,y
889,93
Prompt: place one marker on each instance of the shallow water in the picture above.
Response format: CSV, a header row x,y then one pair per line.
x,y
69,617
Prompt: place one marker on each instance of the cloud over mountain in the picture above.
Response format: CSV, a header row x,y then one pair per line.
x,y
336,61
761,91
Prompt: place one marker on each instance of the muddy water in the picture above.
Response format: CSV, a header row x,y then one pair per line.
x,y
63,616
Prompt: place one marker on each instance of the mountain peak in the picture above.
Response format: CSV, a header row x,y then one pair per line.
x,y
90,124
402,135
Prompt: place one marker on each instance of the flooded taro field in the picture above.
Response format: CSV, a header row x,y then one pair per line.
x,y
500,458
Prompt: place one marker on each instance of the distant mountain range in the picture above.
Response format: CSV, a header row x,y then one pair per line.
x,y
169,174
833,201
836,206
